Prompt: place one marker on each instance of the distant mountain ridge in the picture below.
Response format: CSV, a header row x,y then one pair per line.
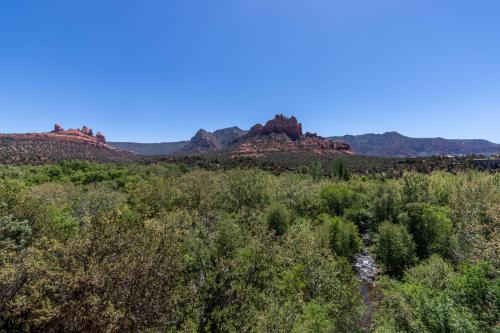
x,y
281,135
197,144
389,144
394,144
278,135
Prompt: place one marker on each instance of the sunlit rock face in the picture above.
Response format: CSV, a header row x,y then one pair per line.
x,y
280,124
284,135
202,141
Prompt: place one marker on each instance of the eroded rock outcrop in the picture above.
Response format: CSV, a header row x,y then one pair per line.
x,y
87,131
284,135
82,134
100,137
202,141
58,128
280,124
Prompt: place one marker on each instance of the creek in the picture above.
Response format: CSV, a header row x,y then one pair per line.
x,y
367,270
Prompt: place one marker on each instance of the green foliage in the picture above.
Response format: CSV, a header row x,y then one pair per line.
x,y
433,298
434,273
316,169
339,170
278,218
315,319
337,198
14,233
384,203
414,188
190,245
10,194
431,228
344,238
394,248
478,289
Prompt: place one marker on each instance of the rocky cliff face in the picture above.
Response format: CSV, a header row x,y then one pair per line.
x,y
280,124
225,136
202,141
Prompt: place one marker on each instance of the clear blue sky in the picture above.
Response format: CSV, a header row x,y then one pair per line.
x,y
157,70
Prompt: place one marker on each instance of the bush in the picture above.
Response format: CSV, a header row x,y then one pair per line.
x,y
434,273
339,170
344,238
278,218
431,228
337,198
478,289
394,248
414,188
14,233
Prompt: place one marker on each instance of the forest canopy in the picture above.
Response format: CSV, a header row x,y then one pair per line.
x,y
87,247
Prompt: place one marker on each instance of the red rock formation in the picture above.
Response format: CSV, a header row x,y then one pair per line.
x,y
58,128
284,135
280,124
59,144
87,131
100,137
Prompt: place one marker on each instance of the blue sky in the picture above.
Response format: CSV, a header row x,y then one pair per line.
x,y
157,70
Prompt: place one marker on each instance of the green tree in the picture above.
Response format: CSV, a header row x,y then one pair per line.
x,y
394,248
337,198
414,187
433,273
478,289
278,218
339,170
384,204
344,238
431,228
316,170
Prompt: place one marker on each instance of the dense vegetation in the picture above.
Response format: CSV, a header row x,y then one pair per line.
x,y
166,247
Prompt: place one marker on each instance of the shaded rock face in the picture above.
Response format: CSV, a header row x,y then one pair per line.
x,y
100,137
280,124
58,128
225,136
202,141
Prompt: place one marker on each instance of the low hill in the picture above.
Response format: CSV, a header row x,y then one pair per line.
x,y
57,145
394,144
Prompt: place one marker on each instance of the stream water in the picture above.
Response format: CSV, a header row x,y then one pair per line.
x,y
367,271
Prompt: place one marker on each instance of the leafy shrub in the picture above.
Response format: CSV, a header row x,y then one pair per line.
x,y
337,198
278,218
344,238
14,233
394,248
431,229
339,170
